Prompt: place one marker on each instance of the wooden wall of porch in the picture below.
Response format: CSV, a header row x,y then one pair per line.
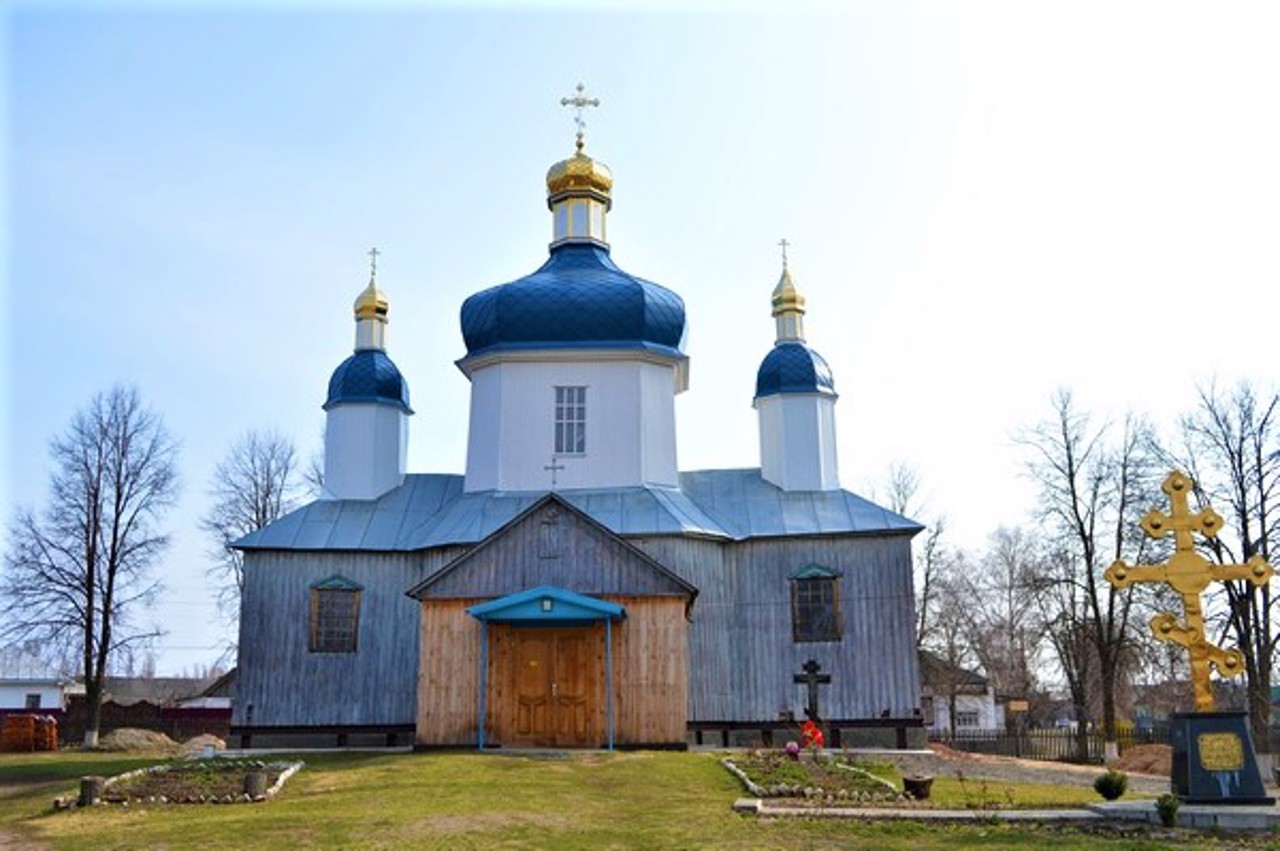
x,y
650,675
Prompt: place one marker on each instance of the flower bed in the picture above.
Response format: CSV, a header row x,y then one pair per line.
x,y
198,781
818,778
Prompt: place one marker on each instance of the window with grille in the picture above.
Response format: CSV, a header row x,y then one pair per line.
x,y
966,718
335,616
815,604
571,421
33,701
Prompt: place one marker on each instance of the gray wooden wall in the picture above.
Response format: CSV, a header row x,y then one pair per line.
x,y
741,653
286,684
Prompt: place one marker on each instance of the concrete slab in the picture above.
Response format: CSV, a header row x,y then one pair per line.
x,y
1198,816
1219,816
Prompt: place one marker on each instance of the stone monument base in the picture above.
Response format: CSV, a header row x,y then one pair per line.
x,y
1213,760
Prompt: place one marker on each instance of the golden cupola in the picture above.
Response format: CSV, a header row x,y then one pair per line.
x,y
788,305
371,309
579,189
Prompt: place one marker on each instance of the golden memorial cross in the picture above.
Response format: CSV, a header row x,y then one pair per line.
x,y
1190,574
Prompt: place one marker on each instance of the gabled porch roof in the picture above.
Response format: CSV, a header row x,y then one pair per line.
x,y
547,605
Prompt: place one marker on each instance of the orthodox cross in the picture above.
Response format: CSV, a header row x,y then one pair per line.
x,y
1190,574
373,262
812,679
554,468
579,102
783,242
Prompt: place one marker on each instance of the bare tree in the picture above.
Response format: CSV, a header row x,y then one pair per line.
x,y
1092,490
253,485
901,493
1231,449
948,653
1002,610
76,572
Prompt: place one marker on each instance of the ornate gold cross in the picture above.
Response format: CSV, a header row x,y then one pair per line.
x,y
1190,573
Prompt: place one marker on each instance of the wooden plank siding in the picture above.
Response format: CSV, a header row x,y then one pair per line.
x,y
586,558
650,675
741,652
448,683
283,683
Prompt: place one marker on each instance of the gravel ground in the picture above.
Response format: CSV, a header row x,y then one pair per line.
x,y
983,766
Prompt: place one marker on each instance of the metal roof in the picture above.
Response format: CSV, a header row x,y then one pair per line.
x,y
431,510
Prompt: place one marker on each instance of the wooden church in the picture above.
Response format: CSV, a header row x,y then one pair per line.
x,y
604,599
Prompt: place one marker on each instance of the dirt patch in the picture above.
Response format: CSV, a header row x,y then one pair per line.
x,y
135,740
9,842
1146,759
195,746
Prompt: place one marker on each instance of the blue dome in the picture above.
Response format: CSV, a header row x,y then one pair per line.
x,y
368,376
793,367
578,299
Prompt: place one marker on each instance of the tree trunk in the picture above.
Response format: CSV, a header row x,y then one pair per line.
x,y
1082,729
93,715
1110,746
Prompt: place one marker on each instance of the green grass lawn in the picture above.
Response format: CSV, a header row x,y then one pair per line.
x,y
458,801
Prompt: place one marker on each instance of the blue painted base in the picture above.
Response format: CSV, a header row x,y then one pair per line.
x,y
1213,761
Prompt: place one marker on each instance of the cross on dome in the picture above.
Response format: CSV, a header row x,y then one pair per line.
x,y
579,102
373,262
783,242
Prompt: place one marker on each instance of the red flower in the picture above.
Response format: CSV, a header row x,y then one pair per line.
x,y
813,737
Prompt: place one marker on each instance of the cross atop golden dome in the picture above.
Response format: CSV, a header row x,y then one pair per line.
x,y
786,297
372,303
579,175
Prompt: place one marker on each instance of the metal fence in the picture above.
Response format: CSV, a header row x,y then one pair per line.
x,y
1062,745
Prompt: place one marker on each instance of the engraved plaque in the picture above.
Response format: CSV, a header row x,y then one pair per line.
x,y
1220,751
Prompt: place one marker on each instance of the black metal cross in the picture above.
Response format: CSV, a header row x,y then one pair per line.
x,y
373,262
554,468
812,679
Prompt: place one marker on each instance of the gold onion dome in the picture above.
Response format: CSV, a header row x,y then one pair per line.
x,y
579,174
786,297
371,303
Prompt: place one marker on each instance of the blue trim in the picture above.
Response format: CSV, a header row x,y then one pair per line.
x,y
608,676
547,605
484,676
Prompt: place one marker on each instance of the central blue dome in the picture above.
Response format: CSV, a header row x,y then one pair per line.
x,y
578,299
793,367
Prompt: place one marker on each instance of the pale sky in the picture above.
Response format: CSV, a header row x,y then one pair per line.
x,y
985,202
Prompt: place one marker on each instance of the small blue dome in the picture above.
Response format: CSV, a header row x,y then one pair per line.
x,y
368,376
578,299
793,367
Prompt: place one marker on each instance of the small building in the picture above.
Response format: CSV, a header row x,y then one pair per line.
x,y
975,698
28,684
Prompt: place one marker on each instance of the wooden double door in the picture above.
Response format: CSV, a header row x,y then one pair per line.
x,y
557,687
